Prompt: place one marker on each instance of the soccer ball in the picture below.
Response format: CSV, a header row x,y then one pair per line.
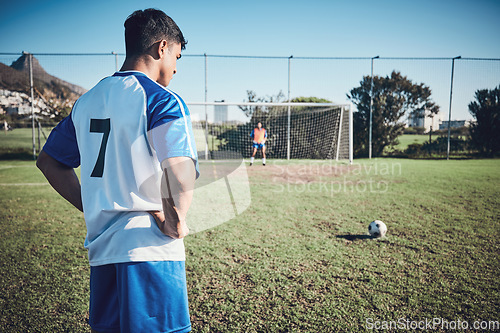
x,y
377,229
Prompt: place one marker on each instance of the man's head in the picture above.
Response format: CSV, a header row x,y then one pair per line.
x,y
259,125
153,36
144,28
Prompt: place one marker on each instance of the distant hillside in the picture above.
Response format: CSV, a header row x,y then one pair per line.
x,y
16,78
12,79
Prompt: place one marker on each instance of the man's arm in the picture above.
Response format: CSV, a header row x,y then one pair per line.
x,y
177,187
62,178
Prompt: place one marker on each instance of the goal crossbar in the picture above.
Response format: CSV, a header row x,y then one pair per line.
x,y
266,104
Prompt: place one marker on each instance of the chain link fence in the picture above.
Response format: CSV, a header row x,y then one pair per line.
x,y
58,79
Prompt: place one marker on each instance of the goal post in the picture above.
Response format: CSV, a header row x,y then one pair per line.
x,y
294,130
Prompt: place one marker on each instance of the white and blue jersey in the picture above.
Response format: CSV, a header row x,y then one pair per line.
x,y
119,132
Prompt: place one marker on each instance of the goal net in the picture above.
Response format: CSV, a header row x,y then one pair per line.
x,y
294,130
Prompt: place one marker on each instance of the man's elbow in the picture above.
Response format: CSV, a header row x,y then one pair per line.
x,y
41,161
45,163
182,170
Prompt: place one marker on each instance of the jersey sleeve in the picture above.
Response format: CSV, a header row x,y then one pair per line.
x,y
62,145
265,134
172,132
252,133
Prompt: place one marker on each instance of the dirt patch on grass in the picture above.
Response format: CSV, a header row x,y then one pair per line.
x,y
304,173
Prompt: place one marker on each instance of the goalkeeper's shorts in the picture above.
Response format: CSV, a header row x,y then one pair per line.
x,y
259,145
139,297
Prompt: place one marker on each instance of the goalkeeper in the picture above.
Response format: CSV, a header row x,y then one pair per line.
x,y
259,136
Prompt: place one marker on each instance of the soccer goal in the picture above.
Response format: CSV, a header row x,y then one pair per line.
x,y
294,130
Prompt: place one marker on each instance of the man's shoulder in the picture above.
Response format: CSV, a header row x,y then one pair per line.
x,y
106,85
157,95
152,89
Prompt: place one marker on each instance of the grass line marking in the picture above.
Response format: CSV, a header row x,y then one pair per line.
x,y
23,184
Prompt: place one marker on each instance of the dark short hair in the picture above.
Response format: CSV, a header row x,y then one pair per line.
x,y
145,27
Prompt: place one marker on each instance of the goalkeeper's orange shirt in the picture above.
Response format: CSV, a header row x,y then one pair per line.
x,y
259,135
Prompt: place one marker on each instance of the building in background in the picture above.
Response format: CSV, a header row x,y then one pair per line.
x,y
425,119
454,124
220,113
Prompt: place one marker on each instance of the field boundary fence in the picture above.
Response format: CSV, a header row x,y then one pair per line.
x,y
38,89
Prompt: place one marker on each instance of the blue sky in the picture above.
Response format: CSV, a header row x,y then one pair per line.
x,y
265,28
401,28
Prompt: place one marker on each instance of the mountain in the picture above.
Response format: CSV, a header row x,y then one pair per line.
x,y
22,64
49,87
12,79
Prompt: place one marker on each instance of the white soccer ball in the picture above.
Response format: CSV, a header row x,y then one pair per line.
x,y
377,229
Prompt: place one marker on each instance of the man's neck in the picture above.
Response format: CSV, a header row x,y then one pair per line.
x,y
141,64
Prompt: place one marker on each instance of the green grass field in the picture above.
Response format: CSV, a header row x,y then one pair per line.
x,y
407,139
18,143
298,259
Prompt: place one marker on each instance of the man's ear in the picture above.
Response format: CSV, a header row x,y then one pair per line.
x,y
162,48
159,49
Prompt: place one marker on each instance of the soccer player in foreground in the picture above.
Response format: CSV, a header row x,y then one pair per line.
x,y
259,136
134,142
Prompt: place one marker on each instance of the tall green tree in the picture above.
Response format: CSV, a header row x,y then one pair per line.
x,y
485,132
394,97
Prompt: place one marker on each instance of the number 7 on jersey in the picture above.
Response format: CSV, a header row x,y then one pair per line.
x,y
100,126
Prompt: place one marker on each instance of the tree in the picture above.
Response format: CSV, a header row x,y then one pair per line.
x,y
249,111
310,100
485,132
394,96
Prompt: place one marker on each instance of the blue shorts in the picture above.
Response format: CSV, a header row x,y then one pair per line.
x,y
259,145
139,297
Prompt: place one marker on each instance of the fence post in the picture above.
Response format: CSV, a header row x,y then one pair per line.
x,y
38,131
371,113
116,60
206,112
351,134
289,113
449,111
30,62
